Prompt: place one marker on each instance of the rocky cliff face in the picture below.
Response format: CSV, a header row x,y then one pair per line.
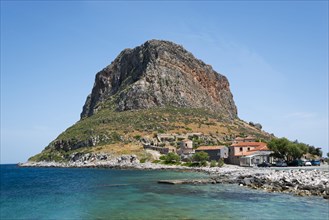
x,y
174,92
158,74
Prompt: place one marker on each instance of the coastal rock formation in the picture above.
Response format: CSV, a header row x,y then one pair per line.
x,y
155,88
89,160
157,74
299,182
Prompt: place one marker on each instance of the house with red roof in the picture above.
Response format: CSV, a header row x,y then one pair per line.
x,y
249,153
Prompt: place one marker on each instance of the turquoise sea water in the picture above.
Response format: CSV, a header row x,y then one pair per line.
x,y
58,193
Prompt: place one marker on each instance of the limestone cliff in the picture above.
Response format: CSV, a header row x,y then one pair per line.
x,y
156,88
158,74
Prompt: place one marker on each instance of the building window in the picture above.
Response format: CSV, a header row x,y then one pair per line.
x,y
240,148
248,148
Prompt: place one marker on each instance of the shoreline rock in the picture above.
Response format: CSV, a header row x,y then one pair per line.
x,y
298,182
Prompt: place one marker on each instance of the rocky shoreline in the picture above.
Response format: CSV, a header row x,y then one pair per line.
x,y
299,182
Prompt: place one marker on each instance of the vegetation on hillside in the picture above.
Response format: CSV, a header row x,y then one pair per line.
x,y
108,129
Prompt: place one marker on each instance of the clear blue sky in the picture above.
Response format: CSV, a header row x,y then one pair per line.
x,y
275,55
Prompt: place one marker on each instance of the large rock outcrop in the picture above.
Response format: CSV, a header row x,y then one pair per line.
x,y
157,74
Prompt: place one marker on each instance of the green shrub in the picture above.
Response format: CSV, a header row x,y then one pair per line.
x,y
220,162
191,164
213,163
200,156
137,137
115,137
170,158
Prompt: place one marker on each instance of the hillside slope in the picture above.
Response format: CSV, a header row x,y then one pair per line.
x,y
156,88
125,132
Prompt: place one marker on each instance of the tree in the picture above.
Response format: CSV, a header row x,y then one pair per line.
x,y
201,157
294,151
297,150
303,147
171,158
285,149
328,154
280,147
311,150
314,151
318,151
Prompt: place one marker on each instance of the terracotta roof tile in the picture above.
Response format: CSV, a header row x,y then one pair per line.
x,y
260,148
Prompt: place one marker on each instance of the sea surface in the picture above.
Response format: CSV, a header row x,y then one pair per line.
x,y
76,193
